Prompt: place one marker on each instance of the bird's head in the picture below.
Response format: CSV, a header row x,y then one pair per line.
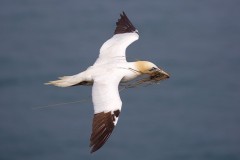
x,y
151,69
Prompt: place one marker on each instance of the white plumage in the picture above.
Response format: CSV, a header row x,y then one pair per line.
x,y
110,69
115,48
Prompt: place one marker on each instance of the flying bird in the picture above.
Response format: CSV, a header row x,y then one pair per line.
x,y
110,70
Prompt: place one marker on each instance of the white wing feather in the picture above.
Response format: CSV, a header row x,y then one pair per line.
x,y
114,49
105,93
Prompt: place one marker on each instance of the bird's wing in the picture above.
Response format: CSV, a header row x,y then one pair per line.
x,y
107,107
114,48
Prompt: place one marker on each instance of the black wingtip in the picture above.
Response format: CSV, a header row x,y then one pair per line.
x,y
124,25
102,128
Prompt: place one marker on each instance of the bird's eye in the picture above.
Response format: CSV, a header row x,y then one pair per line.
x,y
153,69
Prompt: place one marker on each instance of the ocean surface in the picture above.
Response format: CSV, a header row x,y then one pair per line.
x,y
194,115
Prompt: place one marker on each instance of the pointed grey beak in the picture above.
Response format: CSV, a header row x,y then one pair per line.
x,y
165,74
159,75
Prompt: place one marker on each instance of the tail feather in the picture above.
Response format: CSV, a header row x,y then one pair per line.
x,y
65,81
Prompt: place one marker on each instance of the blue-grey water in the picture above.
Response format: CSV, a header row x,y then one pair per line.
x,y
194,115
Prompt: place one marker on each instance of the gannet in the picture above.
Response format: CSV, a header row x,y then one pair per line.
x,y
109,70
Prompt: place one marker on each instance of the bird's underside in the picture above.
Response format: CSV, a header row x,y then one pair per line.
x,y
142,80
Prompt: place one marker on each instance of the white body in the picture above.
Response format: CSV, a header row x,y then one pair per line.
x,y
109,69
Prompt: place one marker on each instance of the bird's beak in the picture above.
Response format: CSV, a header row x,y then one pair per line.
x,y
159,75
165,74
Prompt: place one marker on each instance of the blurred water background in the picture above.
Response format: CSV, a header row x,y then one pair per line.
x,y
194,115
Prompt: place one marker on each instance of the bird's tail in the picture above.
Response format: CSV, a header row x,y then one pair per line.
x,y
66,81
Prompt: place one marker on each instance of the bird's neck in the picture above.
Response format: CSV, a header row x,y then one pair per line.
x,y
131,72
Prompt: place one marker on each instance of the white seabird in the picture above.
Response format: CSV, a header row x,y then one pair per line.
x,y
109,70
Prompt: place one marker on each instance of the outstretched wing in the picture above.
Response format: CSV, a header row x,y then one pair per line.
x,y
107,107
114,49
